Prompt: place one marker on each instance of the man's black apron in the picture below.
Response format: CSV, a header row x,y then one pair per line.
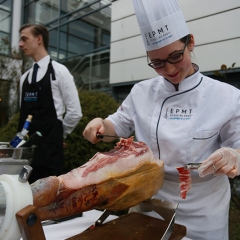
x,y
37,100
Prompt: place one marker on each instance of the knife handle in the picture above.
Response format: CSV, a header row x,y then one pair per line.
x,y
100,136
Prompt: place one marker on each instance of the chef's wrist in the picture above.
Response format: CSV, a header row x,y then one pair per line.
x,y
238,161
236,158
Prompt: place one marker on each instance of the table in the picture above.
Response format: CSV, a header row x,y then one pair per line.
x,y
75,226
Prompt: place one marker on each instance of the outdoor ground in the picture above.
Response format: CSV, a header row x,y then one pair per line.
x,y
234,222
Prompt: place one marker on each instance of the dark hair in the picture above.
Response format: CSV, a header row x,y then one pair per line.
x,y
37,29
185,39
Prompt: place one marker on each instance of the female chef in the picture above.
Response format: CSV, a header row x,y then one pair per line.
x,y
183,116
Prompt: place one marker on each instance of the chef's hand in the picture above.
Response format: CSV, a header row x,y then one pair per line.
x,y
223,161
99,126
93,127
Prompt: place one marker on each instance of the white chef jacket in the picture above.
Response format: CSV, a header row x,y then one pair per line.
x,y
186,126
64,92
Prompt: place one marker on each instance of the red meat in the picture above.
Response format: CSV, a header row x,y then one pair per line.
x,y
185,181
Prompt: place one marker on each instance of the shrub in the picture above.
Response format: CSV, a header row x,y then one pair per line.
x,y
9,131
79,150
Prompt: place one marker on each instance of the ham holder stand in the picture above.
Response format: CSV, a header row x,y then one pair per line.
x,y
19,218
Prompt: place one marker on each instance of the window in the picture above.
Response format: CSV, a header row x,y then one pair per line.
x,y
5,25
79,36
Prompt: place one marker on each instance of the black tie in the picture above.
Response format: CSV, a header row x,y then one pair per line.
x,y
35,69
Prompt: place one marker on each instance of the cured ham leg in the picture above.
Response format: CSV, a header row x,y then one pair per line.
x,y
114,180
185,181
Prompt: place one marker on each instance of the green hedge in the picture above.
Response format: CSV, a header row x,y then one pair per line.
x,y
79,150
8,132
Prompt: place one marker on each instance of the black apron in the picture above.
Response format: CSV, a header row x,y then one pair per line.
x,y
37,100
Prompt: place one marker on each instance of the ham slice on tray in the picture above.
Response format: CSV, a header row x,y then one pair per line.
x,y
114,180
185,181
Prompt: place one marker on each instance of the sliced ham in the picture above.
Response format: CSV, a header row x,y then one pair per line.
x,y
114,180
185,181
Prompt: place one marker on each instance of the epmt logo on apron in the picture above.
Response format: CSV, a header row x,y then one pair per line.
x,y
31,96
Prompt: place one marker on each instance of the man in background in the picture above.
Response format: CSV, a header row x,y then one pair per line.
x,y
49,94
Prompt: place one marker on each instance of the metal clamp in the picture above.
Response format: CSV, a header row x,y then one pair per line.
x,y
25,174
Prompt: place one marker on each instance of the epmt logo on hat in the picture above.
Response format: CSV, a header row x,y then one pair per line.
x,y
161,22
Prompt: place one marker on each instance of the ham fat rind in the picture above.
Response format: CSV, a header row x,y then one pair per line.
x,y
114,180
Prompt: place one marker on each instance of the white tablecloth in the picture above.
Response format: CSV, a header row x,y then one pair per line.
x,y
75,226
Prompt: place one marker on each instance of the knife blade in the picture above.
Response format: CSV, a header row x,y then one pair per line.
x,y
192,166
101,136
100,220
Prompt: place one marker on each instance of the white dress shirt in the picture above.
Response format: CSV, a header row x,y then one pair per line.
x,y
64,92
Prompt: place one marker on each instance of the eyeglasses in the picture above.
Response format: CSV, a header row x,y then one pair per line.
x,y
176,58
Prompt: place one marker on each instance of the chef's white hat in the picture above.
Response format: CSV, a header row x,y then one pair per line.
x,y
161,22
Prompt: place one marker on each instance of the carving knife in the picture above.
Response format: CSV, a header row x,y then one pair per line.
x,y
192,166
101,136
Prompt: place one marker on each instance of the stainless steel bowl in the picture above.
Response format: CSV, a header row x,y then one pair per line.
x,y
13,159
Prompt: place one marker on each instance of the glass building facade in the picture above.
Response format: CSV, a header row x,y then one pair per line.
x,y
5,22
79,37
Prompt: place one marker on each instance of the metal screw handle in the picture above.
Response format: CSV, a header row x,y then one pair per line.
x,y
25,174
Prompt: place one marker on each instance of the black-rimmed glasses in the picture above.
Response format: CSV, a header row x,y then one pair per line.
x,y
176,58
